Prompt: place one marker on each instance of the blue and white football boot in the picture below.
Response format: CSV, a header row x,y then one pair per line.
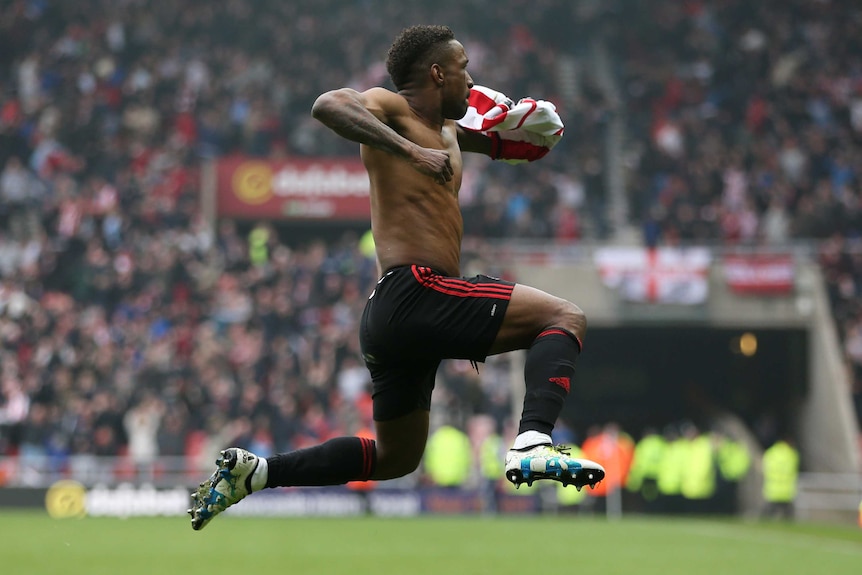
x,y
229,483
551,462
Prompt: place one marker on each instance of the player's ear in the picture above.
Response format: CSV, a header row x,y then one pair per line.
x,y
437,74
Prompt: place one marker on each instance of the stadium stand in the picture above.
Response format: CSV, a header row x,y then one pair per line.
x,y
745,128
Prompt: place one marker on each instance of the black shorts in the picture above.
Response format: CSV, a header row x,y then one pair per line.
x,y
416,317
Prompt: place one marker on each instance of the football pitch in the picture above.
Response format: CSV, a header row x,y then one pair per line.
x,y
34,544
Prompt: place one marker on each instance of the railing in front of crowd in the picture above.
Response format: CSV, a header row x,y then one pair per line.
x,y
42,471
544,251
824,493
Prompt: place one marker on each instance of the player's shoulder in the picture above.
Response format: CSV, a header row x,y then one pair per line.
x,y
380,94
392,103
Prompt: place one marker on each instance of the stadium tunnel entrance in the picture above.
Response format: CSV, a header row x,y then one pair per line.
x,y
653,376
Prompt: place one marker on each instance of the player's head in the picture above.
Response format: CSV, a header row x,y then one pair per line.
x,y
423,54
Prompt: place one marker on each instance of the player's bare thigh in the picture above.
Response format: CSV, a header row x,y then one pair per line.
x,y
531,311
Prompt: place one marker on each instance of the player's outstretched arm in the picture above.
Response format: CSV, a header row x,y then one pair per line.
x,y
364,117
472,141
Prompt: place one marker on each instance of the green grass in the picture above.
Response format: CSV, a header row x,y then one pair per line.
x,y
33,544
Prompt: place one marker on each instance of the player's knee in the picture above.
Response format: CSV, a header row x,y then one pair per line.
x,y
392,464
572,318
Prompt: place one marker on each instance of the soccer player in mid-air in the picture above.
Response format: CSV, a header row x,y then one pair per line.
x,y
421,310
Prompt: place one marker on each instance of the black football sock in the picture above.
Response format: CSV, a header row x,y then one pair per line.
x,y
548,372
333,462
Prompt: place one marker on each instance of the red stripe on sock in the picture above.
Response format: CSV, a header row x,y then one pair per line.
x,y
367,458
552,331
557,331
364,442
370,459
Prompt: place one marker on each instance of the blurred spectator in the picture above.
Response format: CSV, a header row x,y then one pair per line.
x,y
645,468
448,457
615,449
780,474
142,424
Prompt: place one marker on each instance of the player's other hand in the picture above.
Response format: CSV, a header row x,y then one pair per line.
x,y
433,163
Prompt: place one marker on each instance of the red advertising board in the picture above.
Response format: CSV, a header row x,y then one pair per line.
x,y
293,189
759,274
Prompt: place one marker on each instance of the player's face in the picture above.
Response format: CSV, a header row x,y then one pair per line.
x,y
458,82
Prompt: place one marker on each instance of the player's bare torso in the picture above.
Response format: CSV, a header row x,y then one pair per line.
x,y
415,219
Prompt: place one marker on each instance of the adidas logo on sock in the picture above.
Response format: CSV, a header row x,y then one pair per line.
x,y
562,382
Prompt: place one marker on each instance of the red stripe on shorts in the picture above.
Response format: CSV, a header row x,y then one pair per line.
x,y
460,288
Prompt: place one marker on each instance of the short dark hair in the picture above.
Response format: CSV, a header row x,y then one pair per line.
x,y
413,46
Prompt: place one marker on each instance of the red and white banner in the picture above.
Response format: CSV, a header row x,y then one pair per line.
x,y
760,274
657,275
302,188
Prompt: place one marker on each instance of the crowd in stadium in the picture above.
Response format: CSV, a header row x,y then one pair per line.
x,y
127,326
746,121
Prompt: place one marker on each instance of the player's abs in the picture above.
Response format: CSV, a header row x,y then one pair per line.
x,y
417,226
